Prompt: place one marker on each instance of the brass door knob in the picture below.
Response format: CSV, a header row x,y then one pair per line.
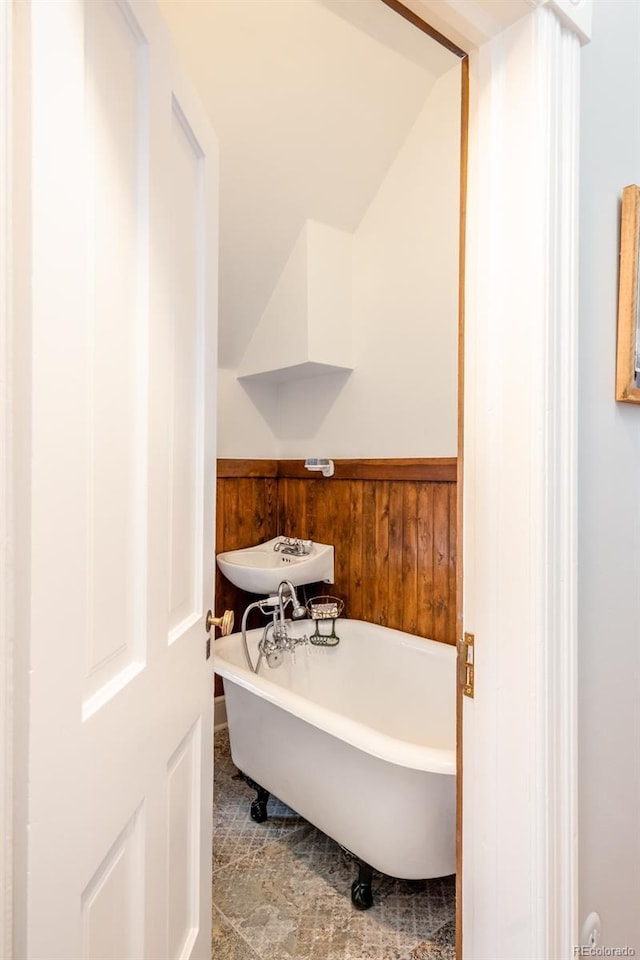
x,y
224,623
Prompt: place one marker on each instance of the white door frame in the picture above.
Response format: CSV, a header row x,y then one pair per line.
x,y
520,817
6,460
520,856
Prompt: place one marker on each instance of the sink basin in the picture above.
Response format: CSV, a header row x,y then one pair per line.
x,y
261,569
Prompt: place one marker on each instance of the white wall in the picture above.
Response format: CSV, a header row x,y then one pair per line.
x,y
311,101
609,468
401,399
245,424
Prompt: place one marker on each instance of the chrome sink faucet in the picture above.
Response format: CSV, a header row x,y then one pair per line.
x,y
293,546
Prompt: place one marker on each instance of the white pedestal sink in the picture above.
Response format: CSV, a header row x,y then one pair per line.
x,y
261,569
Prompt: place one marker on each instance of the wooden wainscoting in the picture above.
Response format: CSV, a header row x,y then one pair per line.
x,y
246,514
394,539
392,523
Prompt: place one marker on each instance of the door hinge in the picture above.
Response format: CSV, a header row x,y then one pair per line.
x,y
467,664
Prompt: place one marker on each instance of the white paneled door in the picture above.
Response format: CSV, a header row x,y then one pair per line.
x,y
123,196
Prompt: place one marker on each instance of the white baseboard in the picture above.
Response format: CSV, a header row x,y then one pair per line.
x,y
219,713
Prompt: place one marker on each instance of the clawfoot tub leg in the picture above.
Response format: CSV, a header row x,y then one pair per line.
x,y
259,805
361,896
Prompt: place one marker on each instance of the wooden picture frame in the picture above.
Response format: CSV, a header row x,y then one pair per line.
x,y
628,358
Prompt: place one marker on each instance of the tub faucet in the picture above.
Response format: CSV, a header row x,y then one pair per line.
x,y
296,607
273,646
275,636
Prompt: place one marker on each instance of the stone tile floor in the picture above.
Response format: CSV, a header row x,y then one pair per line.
x,y
281,890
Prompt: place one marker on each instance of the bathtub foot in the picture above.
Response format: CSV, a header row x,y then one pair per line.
x,y
361,896
259,805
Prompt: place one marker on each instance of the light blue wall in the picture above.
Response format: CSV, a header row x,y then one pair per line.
x,y
609,510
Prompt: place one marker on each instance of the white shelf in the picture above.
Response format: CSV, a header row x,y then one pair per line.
x,y
294,371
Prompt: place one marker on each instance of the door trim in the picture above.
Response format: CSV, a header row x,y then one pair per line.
x,y
520,883
6,466
464,167
520,740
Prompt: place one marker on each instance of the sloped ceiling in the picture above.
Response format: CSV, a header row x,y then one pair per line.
x,y
311,101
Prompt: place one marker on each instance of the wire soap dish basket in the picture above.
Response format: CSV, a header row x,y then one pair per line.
x,y
325,608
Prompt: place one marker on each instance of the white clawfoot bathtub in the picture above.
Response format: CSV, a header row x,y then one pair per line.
x,y
359,739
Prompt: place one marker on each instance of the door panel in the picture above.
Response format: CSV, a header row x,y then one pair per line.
x,y
124,268
183,831
117,251
111,915
187,257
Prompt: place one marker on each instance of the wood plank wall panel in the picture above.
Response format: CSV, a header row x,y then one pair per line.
x,y
409,558
395,539
424,561
246,513
395,545
356,571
